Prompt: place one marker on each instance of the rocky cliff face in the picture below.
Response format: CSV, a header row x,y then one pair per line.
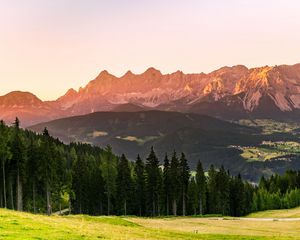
x,y
235,91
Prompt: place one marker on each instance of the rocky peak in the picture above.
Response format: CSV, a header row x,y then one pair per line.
x,y
19,98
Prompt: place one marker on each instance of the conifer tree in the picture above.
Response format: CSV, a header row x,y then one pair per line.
x,y
79,184
193,197
139,172
5,155
222,180
202,186
167,185
175,182
184,180
108,169
19,162
152,182
47,167
124,184
34,155
212,190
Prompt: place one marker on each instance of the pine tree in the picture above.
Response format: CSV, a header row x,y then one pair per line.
x,y
34,155
237,196
222,180
152,182
79,184
175,182
19,162
139,172
108,169
47,167
124,184
167,185
184,180
202,186
212,190
193,197
5,155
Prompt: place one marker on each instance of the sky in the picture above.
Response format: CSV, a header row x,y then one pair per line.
x,y
49,46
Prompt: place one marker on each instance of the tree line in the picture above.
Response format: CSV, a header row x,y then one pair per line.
x,y
41,174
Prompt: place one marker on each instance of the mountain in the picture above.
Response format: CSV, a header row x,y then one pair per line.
x,y
27,107
229,93
201,137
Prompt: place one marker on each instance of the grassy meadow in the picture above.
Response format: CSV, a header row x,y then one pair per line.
x,y
16,225
282,213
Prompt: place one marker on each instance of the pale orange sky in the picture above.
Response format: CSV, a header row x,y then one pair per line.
x,y
48,46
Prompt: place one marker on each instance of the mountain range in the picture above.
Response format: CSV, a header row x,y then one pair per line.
x,y
228,93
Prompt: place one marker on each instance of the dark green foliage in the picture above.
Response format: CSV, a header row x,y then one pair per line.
x,y
167,190
201,188
152,183
276,192
40,174
193,197
140,182
184,172
124,185
175,183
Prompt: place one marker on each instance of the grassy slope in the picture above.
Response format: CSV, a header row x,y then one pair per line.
x,y
283,213
14,225
230,227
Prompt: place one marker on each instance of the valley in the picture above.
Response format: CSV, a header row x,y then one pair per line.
x,y
223,117
246,147
133,120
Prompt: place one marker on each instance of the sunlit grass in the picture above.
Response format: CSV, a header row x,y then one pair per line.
x,y
16,225
282,213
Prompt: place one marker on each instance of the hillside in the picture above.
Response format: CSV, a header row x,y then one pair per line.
x,y
28,107
281,213
228,93
17,225
200,137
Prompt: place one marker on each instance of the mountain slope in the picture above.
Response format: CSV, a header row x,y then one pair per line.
x,y
229,93
200,137
27,107
244,90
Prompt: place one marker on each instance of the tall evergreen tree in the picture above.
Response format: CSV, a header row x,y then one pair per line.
x,y
19,162
184,180
152,182
108,168
124,184
237,196
34,156
5,155
222,182
79,184
193,197
139,172
167,185
175,182
47,167
213,195
202,186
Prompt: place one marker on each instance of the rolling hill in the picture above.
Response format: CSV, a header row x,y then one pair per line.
x,y
201,137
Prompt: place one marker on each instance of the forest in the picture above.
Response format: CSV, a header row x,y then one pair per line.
x,y
40,174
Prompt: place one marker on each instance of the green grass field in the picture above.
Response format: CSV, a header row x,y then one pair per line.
x,y
283,213
269,126
16,225
268,150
